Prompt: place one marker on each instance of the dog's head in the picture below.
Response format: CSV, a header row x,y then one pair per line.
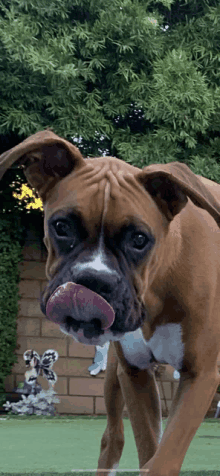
x,y
105,225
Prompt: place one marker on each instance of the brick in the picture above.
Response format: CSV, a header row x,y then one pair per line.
x,y
30,308
19,367
9,383
165,390
61,386
32,270
73,367
19,378
42,344
43,284
168,402
29,288
32,251
167,374
43,252
80,350
50,329
100,406
63,367
75,405
174,386
101,410
28,326
91,386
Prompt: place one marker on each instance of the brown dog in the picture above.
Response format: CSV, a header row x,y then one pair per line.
x,y
148,242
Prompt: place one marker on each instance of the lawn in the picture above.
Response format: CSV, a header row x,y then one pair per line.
x,y
46,446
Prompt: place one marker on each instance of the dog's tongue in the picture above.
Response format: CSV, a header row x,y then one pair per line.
x,y
80,303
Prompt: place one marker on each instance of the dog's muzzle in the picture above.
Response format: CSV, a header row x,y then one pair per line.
x,y
74,303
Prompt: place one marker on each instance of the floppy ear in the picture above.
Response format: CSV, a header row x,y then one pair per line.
x,y
47,158
171,184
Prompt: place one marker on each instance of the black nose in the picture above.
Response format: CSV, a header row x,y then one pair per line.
x,y
101,283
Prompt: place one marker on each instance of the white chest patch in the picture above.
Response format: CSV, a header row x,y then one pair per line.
x,y
166,346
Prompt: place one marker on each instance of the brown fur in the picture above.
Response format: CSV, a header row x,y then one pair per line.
x,y
178,282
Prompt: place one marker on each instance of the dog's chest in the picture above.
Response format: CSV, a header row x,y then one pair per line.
x,y
165,346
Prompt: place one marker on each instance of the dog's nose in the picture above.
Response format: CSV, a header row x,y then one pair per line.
x,y
100,282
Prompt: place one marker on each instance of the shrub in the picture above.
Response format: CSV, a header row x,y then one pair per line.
x,y
11,233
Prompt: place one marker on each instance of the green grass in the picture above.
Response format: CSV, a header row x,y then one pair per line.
x,y
59,445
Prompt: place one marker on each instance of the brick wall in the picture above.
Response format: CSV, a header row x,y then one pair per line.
x,y
78,391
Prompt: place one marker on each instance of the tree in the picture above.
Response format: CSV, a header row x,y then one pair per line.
x,y
133,78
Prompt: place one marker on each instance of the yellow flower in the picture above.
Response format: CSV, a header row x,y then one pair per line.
x,y
27,192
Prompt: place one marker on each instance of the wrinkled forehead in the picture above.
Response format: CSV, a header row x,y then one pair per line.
x,y
105,191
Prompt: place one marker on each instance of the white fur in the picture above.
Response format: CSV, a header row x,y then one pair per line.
x,y
165,344
97,262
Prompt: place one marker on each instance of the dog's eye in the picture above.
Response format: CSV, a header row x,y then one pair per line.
x,y
62,228
139,241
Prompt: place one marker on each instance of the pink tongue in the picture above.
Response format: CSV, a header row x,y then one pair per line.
x,y
81,303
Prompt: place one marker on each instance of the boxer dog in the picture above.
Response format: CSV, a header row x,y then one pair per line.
x,y
148,243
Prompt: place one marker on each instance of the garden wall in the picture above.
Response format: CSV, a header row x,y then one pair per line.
x,y
78,391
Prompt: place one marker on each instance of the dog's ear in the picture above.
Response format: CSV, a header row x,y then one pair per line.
x,y
171,184
46,157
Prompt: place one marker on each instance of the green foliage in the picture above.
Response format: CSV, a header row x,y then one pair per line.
x,y
10,256
133,78
181,98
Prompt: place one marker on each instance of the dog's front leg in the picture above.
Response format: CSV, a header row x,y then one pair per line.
x,y
191,402
113,438
141,395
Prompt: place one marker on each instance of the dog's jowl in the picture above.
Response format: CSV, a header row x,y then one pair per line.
x,y
134,259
